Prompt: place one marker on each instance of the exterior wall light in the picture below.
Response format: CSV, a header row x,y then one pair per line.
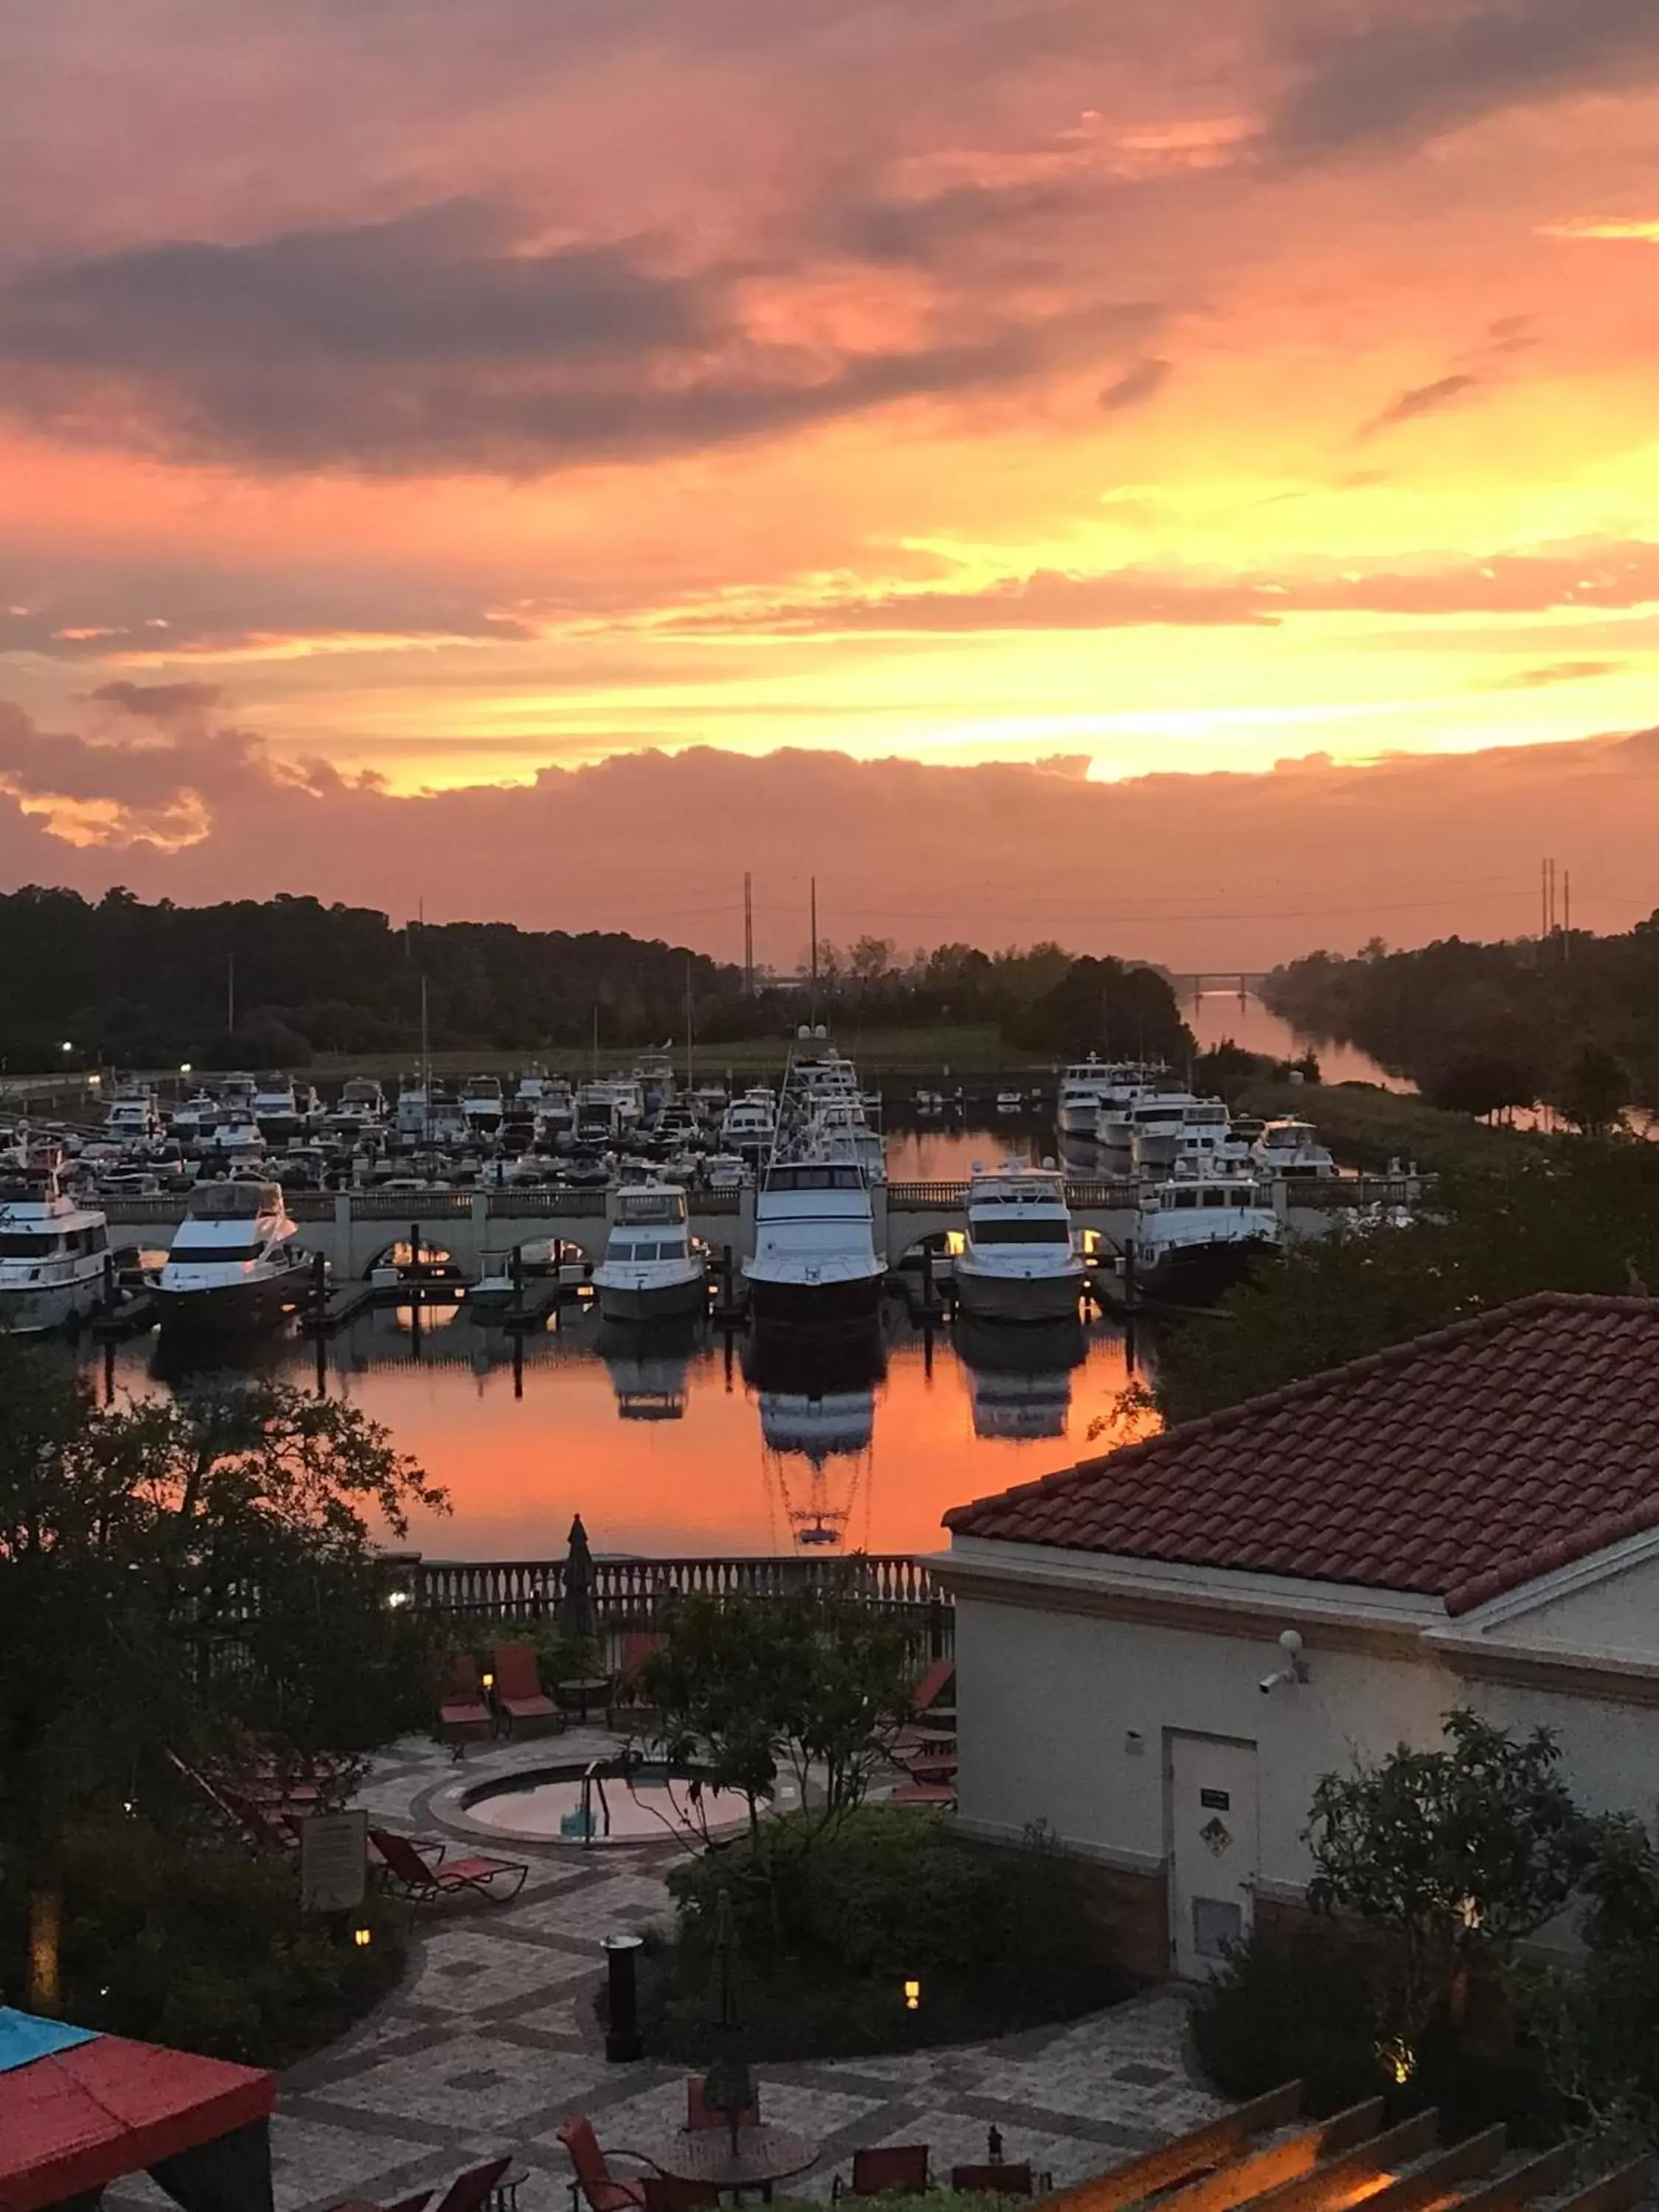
x,y
913,1996
362,1937
488,1681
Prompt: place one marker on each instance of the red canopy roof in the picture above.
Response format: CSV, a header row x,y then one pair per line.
x,y
82,2118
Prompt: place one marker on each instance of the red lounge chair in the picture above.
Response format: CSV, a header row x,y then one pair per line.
x,y
927,1766
594,2179
698,2116
926,1713
667,2192
418,2203
628,1701
421,1879
468,2191
517,1691
994,2181
463,1715
901,2166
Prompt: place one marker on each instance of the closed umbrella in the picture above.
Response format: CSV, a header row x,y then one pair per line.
x,y
577,1619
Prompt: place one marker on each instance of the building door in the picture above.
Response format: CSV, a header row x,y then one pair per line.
x,y
1213,1847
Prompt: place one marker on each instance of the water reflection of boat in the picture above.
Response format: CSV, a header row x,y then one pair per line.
x,y
649,1364
1019,1380
816,1399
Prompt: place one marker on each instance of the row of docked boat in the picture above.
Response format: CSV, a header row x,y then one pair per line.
x,y
234,1262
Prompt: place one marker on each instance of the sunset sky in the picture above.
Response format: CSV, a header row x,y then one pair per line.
x,y
403,399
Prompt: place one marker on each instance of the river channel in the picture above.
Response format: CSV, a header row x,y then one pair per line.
x,y
671,1445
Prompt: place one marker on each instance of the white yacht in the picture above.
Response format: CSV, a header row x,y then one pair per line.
x,y
1197,1235
133,1117
750,1125
815,1258
1132,1081
277,1110
235,1262
556,1112
649,1270
1082,1087
1158,1123
192,1120
725,1171
1019,1262
482,1104
235,1140
1292,1148
54,1253
360,1110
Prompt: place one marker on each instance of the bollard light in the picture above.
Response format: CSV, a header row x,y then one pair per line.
x,y
913,1996
622,2039
488,1681
362,1937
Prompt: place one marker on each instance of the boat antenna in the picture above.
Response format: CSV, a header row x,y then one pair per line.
x,y
812,994
688,1021
426,1066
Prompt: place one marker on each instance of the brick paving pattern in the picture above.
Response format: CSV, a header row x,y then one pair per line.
x,y
491,2041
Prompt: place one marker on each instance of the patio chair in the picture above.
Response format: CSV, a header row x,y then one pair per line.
x,y
931,1766
517,1690
629,1702
594,2180
997,2181
926,1711
470,2191
669,2192
901,2168
419,1879
698,2117
463,1715
923,1793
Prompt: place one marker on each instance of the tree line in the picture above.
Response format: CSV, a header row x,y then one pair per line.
x,y
275,981
1570,1020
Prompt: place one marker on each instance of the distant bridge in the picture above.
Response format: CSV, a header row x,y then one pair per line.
x,y
480,1230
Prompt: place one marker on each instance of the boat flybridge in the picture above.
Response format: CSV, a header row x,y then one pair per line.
x,y
649,1270
234,1262
1292,1148
1198,1235
133,1117
277,1110
482,1105
1019,1260
54,1253
815,1260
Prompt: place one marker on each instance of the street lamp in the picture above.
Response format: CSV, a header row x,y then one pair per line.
x,y
67,1046
184,1068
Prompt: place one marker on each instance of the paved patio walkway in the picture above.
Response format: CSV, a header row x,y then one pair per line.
x,y
491,2041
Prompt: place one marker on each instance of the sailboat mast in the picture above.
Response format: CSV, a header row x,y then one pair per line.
x,y
812,995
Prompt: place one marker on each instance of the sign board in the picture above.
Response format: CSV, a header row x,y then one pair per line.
x,y
333,1862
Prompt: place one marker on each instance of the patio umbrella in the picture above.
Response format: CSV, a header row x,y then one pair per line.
x,y
577,1619
728,2086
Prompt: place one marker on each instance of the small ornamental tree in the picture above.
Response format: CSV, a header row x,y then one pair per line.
x,y
1449,1855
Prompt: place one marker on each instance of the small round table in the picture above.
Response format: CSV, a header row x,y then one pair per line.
x,y
575,1697
762,2156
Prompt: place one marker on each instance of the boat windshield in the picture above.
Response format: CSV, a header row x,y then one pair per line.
x,y
27,1244
630,1247
1018,1231
664,1206
815,1178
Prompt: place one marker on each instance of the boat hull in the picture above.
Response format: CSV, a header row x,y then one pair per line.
x,y
39,1309
850,1302
1016,1297
1199,1275
232,1308
654,1302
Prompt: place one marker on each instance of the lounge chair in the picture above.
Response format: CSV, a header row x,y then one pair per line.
x,y
923,1793
629,1702
668,2192
997,2181
932,1766
518,1688
929,1719
594,2180
418,2203
890,2167
464,1717
470,2190
421,1879
698,2116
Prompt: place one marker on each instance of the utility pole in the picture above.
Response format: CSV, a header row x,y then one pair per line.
x,y
1566,911
748,934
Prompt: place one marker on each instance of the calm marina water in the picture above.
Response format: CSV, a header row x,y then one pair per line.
x,y
685,1444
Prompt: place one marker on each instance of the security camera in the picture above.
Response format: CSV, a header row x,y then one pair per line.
x,y
1295,1669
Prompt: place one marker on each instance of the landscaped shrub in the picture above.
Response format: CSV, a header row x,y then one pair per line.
x,y
832,1922
1295,2008
185,1940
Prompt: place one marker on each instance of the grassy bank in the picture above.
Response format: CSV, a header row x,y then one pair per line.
x,y
1367,1127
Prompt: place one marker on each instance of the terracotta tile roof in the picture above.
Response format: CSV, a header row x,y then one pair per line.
x,y
1459,1465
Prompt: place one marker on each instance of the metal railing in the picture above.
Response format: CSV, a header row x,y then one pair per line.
x,y
921,1197
629,1594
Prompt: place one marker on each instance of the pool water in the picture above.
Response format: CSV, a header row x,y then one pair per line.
x,y
570,1805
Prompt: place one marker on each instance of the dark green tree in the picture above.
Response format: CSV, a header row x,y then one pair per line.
x,y
1449,1855
174,1577
1594,1090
